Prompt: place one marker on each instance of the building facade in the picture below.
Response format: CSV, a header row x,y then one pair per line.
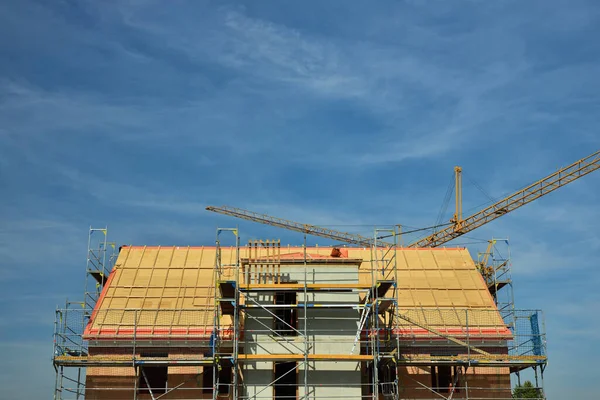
x,y
270,322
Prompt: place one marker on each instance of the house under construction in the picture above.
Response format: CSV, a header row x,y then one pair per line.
x,y
380,320
266,321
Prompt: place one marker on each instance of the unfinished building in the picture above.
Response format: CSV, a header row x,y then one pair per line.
x,y
265,321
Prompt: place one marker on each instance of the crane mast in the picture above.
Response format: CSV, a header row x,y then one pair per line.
x,y
457,217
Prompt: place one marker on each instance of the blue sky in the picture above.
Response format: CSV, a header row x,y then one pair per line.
x,y
138,114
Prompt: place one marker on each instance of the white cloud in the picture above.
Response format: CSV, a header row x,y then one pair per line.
x,y
385,81
382,79
433,87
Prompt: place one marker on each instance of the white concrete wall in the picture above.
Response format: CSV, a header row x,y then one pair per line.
x,y
330,331
257,376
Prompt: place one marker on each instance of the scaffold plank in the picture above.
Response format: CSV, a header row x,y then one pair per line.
x,y
489,360
116,361
299,287
301,357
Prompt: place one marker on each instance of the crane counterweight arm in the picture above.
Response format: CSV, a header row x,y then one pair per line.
x,y
524,196
297,226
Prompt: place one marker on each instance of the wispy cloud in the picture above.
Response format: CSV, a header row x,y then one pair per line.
x,y
61,111
382,79
274,51
137,116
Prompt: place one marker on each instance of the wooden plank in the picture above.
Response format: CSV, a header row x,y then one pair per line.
x,y
300,357
299,286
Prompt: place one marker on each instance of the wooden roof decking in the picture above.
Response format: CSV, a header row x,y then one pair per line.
x,y
159,290
170,290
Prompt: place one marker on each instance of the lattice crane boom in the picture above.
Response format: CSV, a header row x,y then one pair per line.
x,y
297,226
459,225
518,199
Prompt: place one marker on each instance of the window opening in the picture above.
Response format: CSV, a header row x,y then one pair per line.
x,y
286,381
286,322
154,378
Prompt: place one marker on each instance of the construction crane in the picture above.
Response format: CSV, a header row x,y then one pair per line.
x,y
518,199
298,227
459,225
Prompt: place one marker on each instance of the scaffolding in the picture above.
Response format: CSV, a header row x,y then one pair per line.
x,y
294,323
495,266
68,331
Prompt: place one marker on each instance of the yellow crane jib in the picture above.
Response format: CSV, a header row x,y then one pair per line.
x,y
459,226
518,199
315,230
